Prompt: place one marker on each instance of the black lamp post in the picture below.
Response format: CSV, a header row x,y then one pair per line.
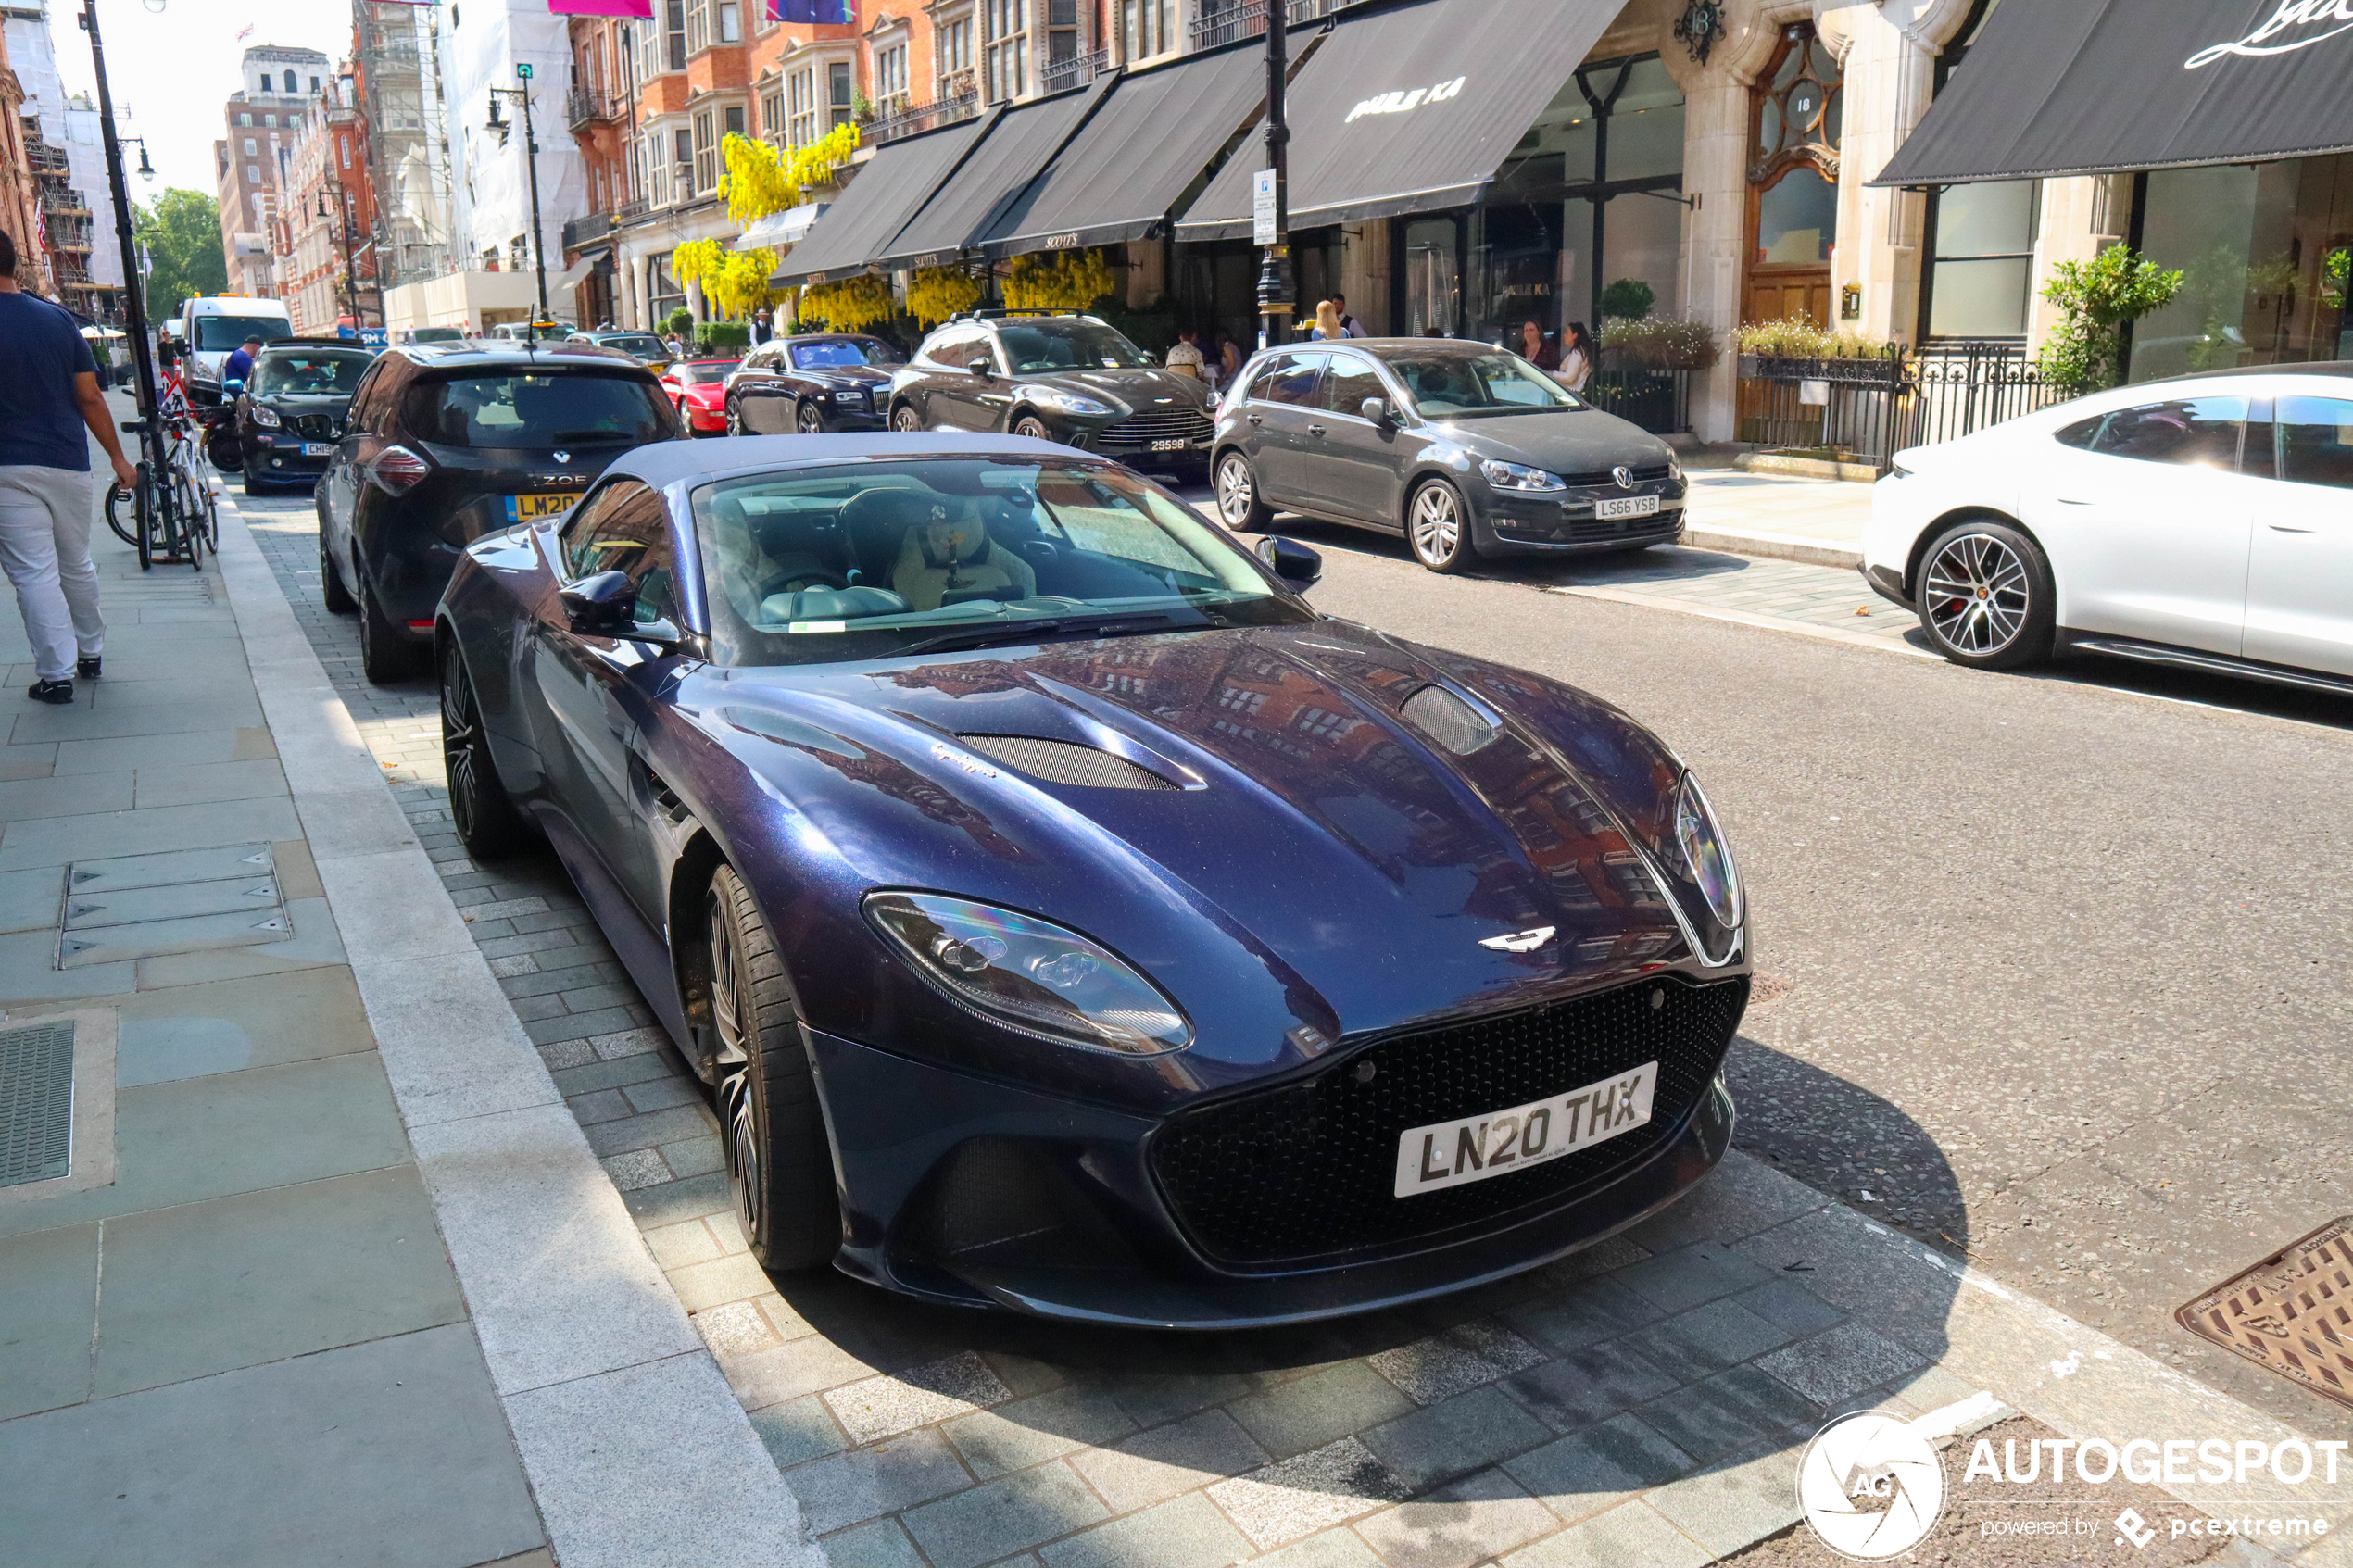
x,y
133,302
1276,303
531,161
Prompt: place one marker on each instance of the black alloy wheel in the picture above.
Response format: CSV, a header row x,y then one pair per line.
x,y
385,655
485,816
1437,527
778,1162
905,420
1986,599
1237,499
330,588
735,418
808,419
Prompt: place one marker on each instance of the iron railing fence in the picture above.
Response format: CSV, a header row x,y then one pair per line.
x,y
1076,71
946,110
1957,388
1867,410
1659,401
1232,20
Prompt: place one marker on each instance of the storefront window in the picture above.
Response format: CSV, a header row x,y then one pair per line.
x,y
1796,219
1433,293
1980,268
2259,247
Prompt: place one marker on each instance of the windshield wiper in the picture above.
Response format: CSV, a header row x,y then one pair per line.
x,y
1046,627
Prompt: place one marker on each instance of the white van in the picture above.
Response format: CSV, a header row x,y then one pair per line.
x,y
214,326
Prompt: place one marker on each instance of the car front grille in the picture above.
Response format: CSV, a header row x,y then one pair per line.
x,y
1157,425
1587,529
315,427
1606,479
1306,1171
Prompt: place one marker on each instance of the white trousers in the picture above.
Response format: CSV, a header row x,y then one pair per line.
x,y
44,546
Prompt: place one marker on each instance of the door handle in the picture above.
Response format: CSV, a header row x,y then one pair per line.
x,y
2069,501
1314,429
2284,528
1255,418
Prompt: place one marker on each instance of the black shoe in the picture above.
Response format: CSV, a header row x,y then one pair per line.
x,y
87,668
50,691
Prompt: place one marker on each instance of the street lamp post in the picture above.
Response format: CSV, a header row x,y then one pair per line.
x,y
531,162
133,301
1275,301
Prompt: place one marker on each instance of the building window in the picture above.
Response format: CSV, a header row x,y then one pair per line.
x,y
1005,50
1149,27
291,88
956,44
1981,259
245,120
314,85
682,160
1792,162
253,174
772,116
731,22
800,108
890,73
665,47
697,26
731,122
271,120
706,151
841,92
253,148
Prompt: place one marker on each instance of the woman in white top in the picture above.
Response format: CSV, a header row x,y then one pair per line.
x,y
1577,357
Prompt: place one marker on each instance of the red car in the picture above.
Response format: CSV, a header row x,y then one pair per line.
x,y
698,391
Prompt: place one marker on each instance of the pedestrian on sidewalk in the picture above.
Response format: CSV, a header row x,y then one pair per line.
x,y
48,394
1349,325
1328,327
1577,357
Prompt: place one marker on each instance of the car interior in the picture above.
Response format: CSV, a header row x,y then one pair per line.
x,y
804,550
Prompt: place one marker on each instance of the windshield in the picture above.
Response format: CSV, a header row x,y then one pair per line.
x,y
217,334
291,373
842,351
873,559
702,372
540,411
1450,386
438,335
643,345
1034,347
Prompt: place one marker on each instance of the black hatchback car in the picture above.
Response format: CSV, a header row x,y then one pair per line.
x,y
1070,379
447,442
291,412
1463,448
812,384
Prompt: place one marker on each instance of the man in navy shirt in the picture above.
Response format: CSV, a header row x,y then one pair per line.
x,y
47,398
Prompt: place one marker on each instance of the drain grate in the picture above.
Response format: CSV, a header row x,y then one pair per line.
x,y
36,1103
2292,1312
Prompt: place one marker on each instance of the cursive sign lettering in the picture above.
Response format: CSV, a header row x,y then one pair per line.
x,y
2292,13
1401,102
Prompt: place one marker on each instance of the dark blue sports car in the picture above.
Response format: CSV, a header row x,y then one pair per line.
x,y
1070,919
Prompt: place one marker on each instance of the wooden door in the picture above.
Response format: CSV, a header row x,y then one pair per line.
x,y
1776,295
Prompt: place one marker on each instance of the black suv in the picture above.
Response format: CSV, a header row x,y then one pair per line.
x,y
447,442
1072,379
290,414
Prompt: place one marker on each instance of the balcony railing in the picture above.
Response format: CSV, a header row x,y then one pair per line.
x,y
1076,71
579,231
46,160
1236,19
941,111
630,212
584,107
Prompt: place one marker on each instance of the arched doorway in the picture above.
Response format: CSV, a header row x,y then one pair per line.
x,y
1792,179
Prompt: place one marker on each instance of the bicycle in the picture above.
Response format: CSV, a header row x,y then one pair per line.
x,y
174,517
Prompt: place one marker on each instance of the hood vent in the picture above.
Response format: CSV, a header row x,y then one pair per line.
x,y
1447,719
1066,762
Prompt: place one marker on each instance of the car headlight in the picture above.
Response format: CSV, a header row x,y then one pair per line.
x,y
1029,974
266,418
1068,402
1707,858
1674,471
1518,476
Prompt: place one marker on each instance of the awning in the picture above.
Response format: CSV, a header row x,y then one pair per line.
x,y
780,228
887,191
1023,141
2059,87
584,264
1410,110
1146,145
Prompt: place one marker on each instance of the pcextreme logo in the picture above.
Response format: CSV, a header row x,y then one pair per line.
x,y
1872,1486
2335,15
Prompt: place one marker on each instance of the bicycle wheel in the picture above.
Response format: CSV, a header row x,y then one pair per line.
x,y
188,503
119,500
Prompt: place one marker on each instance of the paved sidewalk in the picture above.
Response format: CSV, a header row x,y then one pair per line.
x,y
1780,517
1643,1403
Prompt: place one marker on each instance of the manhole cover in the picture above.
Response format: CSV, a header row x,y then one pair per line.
x,y
2292,1312
36,1103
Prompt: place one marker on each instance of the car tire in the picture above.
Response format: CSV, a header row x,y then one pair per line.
x,y
384,655
1986,599
735,418
484,816
254,486
685,424
330,589
779,1164
1032,428
904,420
808,419
1237,499
1437,527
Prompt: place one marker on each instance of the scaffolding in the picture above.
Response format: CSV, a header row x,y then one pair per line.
x,y
407,149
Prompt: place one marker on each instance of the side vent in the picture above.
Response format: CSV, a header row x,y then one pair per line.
x,y
665,799
1447,719
1066,762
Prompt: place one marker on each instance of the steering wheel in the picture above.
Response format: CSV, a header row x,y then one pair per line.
x,y
800,578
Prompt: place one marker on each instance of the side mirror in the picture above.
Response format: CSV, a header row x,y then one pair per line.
x,y
1299,566
230,387
604,605
1376,410
982,369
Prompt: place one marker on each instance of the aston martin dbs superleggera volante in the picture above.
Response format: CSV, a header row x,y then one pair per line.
x,y
1069,918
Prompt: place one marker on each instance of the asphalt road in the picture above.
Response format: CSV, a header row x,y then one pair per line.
x,y
2058,962
2053,964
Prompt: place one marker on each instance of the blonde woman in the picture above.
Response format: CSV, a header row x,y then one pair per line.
x,y
1327,326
